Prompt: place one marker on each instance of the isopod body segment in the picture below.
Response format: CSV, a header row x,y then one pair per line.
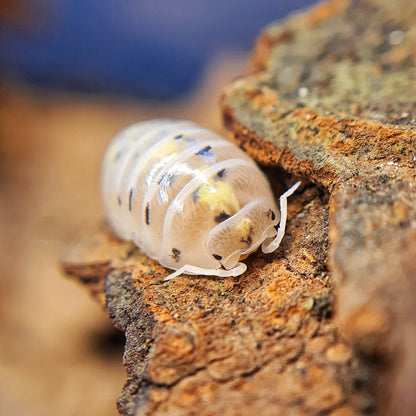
x,y
189,198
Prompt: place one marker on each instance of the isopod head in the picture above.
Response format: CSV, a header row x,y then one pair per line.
x,y
258,223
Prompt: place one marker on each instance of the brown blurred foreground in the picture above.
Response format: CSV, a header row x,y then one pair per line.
x,y
59,354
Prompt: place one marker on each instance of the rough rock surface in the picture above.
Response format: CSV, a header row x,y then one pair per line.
x,y
262,342
331,100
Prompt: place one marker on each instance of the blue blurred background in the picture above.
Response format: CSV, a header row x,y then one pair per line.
x,y
145,48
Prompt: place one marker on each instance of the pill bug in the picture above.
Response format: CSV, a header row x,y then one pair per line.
x,y
189,198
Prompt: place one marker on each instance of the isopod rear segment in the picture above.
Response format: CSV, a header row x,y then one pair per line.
x,y
189,198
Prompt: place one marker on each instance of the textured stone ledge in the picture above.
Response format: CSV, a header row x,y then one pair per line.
x,y
332,98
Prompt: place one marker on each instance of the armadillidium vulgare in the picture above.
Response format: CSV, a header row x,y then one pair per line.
x,y
189,198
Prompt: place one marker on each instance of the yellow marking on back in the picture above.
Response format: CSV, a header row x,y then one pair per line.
x,y
244,227
219,196
167,149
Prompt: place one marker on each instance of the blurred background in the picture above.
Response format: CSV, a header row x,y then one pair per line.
x,y
73,73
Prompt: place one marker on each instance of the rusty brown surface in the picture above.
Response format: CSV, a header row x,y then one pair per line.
x,y
333,100
262,342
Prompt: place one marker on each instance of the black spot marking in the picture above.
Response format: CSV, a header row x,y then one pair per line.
x,y
178,137
169,179
248,240
204,151
217,256
221,173
195,195
119,200
222,217
271,214
175,254
147,214
130,196
117,156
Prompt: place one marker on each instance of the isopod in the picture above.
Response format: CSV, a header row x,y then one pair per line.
x,y
189,198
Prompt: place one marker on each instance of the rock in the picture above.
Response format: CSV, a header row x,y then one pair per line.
x,y
226,346
331,99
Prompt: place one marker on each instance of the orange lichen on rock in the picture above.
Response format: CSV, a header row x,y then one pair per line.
x,y
207,345
346,120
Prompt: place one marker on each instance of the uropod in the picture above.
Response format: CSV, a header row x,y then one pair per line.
x,y
189,198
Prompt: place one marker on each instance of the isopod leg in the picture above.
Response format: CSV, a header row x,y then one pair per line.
x,y
240,268
272,246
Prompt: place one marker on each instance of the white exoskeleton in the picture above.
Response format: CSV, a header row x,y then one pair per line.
x,y
189,198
